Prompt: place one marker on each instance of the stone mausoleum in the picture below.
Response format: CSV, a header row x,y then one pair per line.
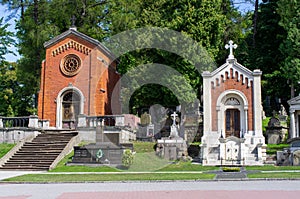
x,y
78,76
232,105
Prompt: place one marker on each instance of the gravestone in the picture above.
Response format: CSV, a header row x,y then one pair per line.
x,y
106,150
145,119
173,147
290,156
276,133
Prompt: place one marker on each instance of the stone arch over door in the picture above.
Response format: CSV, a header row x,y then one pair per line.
x,y
69,104
233,104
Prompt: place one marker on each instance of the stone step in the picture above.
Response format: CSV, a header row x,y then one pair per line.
x,y
30,160
39,153
27,164
31,168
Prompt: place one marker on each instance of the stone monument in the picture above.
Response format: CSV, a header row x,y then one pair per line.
x,y
106,151
276,132
173,147
290,156
146,128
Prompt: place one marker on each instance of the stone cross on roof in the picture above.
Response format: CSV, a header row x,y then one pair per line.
x,y
174,115
231,46
73,20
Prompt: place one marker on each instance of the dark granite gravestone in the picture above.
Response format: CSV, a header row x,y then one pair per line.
x,y
106,150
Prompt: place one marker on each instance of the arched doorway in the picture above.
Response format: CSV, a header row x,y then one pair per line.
x,y
70,109
232,112
70,103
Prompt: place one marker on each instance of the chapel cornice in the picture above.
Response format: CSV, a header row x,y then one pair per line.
x,y
71,45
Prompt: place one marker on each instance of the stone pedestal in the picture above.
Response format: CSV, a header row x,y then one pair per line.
x,y
171,148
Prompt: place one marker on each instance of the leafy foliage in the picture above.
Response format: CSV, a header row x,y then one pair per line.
x,y
290,47
127,158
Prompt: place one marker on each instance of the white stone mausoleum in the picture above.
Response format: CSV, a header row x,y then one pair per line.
x,y
232,105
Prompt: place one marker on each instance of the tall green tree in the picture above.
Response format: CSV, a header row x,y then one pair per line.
x,y
8,83
290,21
203,21
265,54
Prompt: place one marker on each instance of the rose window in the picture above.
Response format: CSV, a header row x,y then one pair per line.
x,y
70,65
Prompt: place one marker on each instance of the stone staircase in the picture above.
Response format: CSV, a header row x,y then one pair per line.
x,y
41,152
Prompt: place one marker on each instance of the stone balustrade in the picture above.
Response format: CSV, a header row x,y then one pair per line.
x,y
14,129
106,120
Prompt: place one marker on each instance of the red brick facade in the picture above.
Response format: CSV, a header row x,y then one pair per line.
x,y
228,82
95,79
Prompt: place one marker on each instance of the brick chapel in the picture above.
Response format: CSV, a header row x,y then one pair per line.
x,y
232,132
78,76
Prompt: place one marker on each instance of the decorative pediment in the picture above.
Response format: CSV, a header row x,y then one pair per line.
x,y
71,45
294,101
75,45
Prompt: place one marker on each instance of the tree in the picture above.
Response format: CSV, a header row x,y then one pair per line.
x,y
40,21
290,21
8,83
265,54
203,21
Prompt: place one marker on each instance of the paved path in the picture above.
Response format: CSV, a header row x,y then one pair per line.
x,y
10,174
150,190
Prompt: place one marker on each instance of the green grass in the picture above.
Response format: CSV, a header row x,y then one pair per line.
x,y
4,148
187,166
273,148
283,175
143,147
147,162
272,168
108,177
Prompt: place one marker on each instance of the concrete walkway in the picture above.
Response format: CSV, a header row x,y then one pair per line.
x,y
10,174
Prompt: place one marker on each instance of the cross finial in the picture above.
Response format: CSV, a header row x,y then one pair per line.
x,y
231,46
174,115
73,20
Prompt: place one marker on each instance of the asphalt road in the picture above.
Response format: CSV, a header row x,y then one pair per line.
x,y
159,190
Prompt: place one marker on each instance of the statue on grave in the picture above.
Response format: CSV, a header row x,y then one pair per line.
x,y
174,131
282,110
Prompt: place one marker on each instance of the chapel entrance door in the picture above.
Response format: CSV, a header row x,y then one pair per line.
x,y
70,109
232,122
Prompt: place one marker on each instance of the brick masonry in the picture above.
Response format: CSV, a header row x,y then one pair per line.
x,y
231,82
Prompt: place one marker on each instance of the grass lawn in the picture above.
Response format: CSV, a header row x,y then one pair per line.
x,y
272,168
109,177
147,162
281,175
188,166
4,148
273,148
143,147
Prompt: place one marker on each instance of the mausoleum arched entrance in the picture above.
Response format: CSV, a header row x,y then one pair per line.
x,y
232,114
70,102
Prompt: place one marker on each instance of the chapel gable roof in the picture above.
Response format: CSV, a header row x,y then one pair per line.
x,y
232,63
295,100
73,31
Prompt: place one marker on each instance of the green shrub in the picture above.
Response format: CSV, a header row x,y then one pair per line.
x,y
231,169
127,158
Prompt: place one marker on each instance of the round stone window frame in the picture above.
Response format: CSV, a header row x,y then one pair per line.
x,y
70,59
